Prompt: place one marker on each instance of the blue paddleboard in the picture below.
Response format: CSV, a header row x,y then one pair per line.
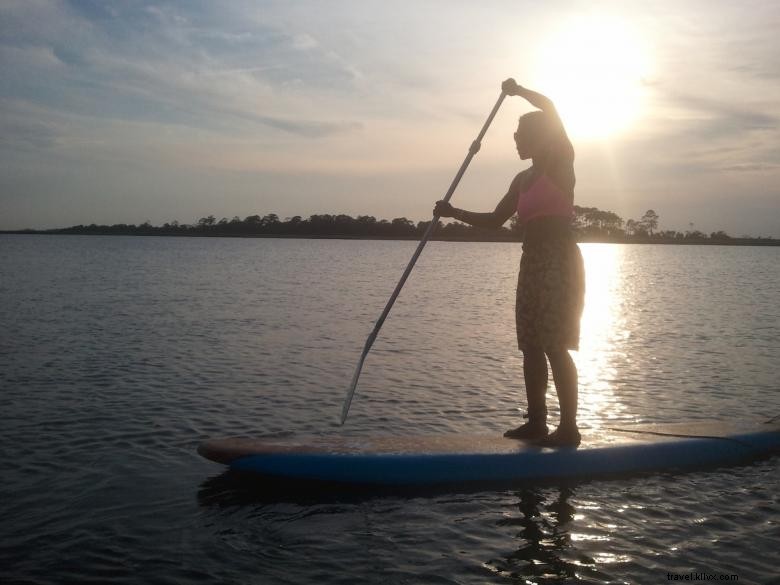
x,y
459,459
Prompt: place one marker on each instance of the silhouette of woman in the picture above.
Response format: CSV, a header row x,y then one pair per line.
x,y
551,282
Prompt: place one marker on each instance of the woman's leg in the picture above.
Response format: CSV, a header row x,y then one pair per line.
x,y
564,373
535,375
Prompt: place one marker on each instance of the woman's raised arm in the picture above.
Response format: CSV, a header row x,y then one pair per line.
x,y
536,99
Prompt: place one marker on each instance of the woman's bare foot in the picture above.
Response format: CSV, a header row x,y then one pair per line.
x,y
561,437
530,431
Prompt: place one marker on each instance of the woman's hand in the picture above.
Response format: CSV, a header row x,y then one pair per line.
x,y
443,209
510,87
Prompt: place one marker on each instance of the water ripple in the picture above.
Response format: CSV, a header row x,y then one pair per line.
x,y
118,355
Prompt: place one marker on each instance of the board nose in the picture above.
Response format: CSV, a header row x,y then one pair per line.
x,y
214,450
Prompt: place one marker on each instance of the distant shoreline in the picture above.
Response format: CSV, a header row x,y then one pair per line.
x,y
445,238
589,224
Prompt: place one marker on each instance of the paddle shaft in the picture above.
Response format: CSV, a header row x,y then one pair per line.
x,y
473,149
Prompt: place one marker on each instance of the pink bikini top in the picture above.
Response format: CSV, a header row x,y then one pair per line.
x,y
543,199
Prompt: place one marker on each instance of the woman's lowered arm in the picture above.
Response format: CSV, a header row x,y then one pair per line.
x,y
491,220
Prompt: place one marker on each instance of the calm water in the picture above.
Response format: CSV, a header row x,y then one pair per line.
x,y
118,355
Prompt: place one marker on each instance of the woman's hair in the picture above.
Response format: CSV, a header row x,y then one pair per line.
x,y
551,146
538,126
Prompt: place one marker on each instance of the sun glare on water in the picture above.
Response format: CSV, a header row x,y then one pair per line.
x,y
594,68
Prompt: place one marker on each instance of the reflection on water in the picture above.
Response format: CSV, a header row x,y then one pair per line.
x,y
544,540
539,523
118,355
603,328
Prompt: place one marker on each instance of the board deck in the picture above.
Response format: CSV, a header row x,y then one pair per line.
x,y
437,459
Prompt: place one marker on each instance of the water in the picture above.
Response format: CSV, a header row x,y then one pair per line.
x,y
118,355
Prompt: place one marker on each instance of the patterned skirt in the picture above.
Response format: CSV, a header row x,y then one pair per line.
x,y
550,295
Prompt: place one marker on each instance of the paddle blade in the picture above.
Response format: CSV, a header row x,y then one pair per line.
x,y
351,390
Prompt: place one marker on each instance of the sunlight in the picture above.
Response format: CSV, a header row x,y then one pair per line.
x,y
602,329
594,68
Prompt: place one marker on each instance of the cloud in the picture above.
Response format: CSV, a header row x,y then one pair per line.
x,y
752,167
720,117
360,88
692,133
18,135
154,63
23,59
310,128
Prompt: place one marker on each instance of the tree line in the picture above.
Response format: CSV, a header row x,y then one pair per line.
x,y
590,224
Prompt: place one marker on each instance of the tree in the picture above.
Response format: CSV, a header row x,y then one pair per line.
x,y
516,227
611,221
402,223
422,226
649,221
401,226
207,221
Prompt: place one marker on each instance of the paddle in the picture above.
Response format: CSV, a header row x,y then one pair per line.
x,y
473,149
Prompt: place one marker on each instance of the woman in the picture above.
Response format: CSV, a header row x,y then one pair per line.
x,y
551,283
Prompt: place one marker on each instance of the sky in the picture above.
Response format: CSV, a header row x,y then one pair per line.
x,y
125,112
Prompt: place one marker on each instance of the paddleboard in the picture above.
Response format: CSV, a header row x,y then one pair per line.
x,y
460,459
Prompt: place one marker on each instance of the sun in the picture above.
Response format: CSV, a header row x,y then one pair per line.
x,y
594,68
